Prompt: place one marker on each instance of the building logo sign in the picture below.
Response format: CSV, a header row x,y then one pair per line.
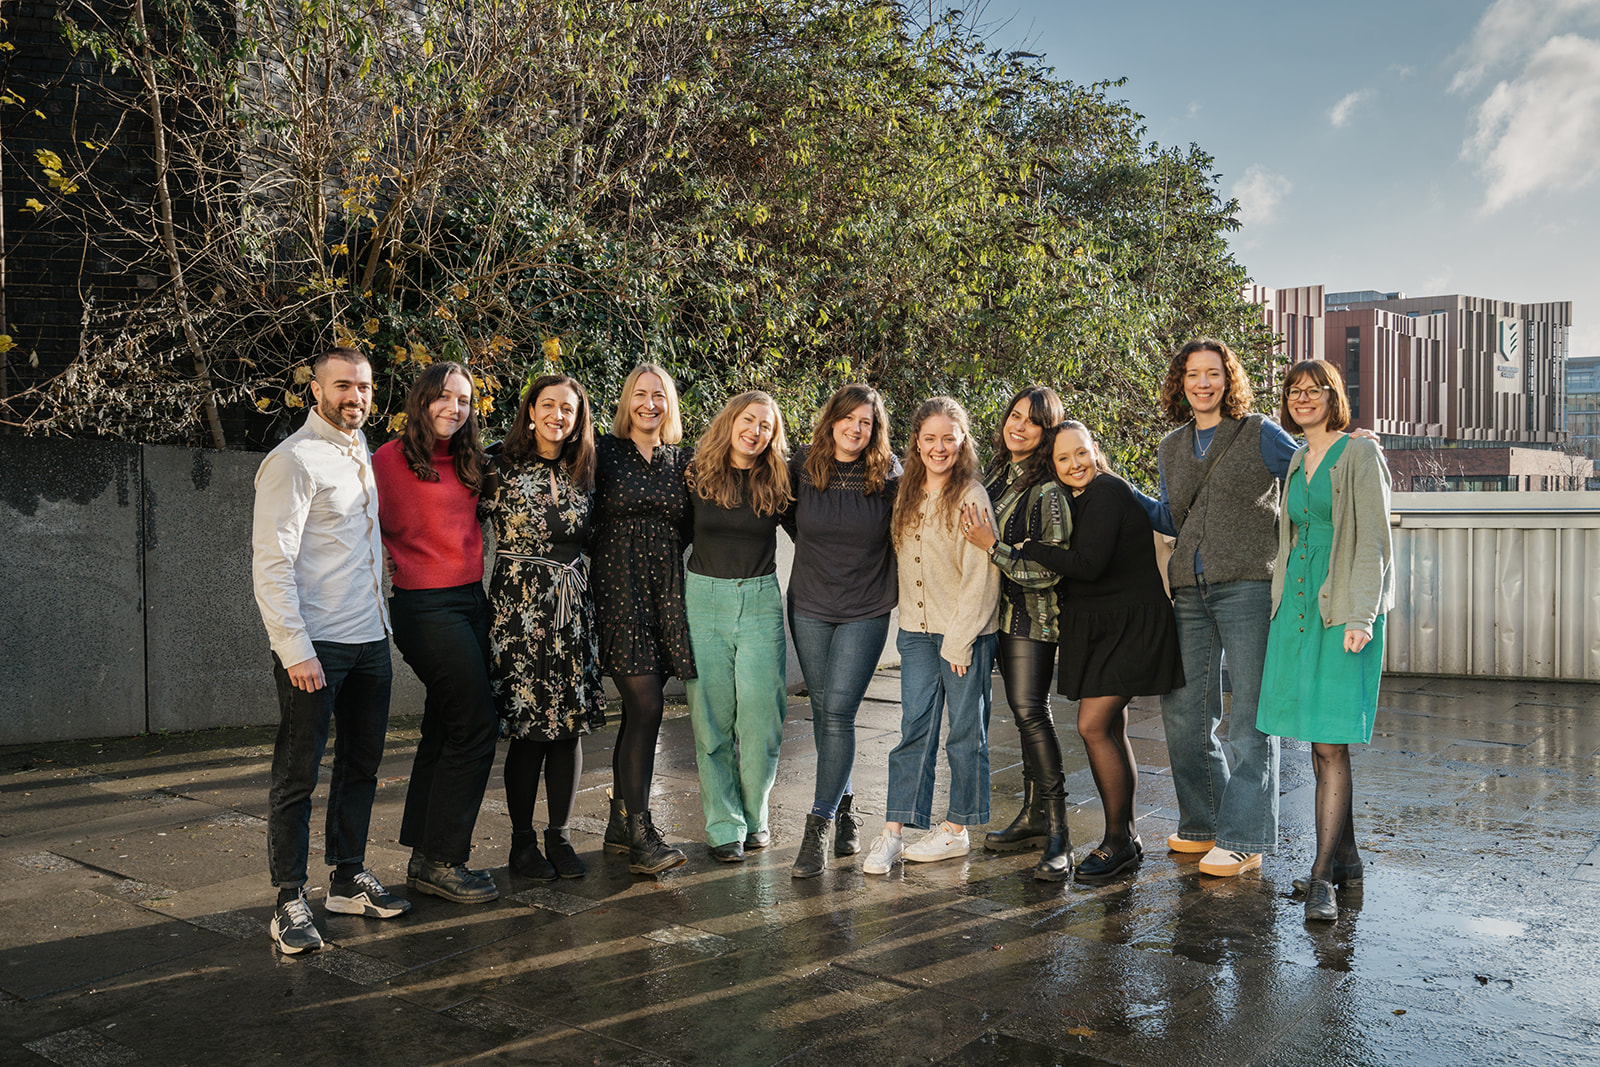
x,y
1510,340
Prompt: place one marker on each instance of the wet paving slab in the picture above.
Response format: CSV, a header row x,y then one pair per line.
x,y
134,911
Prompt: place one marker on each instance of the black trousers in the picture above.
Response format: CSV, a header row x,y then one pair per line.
x,y
1026,667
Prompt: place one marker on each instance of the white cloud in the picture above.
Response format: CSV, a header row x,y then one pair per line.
x,y
1340,114
1512,29
1259,193
1194,108
1436,283
1540,130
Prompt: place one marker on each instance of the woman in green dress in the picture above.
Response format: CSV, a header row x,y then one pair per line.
x,y
1332,584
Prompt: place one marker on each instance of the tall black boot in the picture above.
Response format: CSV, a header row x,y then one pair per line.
x,y
1027,830
647,853
813,857
526,859
847,828
617,826
1056,863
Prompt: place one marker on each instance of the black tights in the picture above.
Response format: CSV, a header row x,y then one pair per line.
x,y
633,760
1336,831
1103,725
562,764
1026,667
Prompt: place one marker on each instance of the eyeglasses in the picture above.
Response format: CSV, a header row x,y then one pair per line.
x,y
1310,392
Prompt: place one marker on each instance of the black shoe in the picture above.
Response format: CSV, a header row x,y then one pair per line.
x,y
647,853
846,828
526,859
414,867
1056,863
1322,905
617,826
756,840
558,845
1027,830
454,881
1343,875
813,859
732,852
1102,866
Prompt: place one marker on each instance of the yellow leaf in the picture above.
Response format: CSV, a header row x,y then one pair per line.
x,y
442,312
290,400
6,343
47,159
340,249
302,375
485,405
552,349
459,291
397,422
263,404
1080,1031
371,326
41,114
91,146
33,205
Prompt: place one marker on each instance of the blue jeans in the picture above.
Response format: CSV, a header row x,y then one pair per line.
x,y
837,660
357,697
1239,808
738,700
927,684
443,634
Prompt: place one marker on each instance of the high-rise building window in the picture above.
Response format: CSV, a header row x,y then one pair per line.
x,y
1352,369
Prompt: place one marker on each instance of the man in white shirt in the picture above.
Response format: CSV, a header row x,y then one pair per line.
x,y
318,571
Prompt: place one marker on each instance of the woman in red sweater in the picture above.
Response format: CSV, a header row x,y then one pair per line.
x,y
428,484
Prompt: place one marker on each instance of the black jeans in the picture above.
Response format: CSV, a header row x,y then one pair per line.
x,y
357,698
444,636
1026,667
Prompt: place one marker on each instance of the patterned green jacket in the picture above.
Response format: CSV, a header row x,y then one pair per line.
x,y
1028,605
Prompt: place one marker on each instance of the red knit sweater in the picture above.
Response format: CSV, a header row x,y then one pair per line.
x,y
430,529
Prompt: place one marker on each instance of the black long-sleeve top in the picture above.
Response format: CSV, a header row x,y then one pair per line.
x,y
1111,561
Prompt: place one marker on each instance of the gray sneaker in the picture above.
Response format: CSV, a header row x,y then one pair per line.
x,y
293,929
364,895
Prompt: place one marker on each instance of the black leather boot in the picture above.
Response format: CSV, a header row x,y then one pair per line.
x,y
558,846
647,853
1056,863
1027,830
813,858
526,859
846,828
617,827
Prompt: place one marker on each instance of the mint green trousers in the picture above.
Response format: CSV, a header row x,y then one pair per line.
x,y
737,703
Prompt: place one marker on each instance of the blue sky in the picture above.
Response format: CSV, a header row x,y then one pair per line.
x,y
1429,146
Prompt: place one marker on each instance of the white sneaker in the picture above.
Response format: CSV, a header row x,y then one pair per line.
x,y
939,844
886,848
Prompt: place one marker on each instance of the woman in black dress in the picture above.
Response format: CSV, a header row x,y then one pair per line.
x,y
544,660
641,521
1118,635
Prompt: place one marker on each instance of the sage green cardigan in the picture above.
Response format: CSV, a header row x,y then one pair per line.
x,y
1360,583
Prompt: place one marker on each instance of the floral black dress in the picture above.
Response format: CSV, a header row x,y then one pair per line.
x,y
543,657
642,520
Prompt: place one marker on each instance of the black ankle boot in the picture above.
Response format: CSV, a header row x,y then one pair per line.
x,y
1027,830
617,828
558,846
647,853
1056,863
813,859
526,860
846,828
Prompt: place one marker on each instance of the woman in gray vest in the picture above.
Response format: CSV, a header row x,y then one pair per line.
x,y
1220,475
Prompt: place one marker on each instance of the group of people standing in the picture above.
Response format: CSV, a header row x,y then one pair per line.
x,y
1044,562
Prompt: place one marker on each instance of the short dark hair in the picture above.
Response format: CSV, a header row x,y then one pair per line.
x,y
348,355
1326,375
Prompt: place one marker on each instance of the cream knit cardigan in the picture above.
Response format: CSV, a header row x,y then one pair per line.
x,y
947,585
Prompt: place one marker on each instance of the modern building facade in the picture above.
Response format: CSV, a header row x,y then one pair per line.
x,y
1583,405
1295,315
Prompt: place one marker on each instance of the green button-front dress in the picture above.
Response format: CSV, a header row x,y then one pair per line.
x,y
1311,687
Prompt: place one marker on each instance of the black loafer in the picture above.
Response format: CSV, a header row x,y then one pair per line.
x,y
1343,876
1322,904
1101,866
757,840
732,852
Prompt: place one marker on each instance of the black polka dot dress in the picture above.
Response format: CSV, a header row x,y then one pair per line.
x,y
641,516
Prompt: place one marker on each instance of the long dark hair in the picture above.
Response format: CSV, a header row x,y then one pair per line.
x,y
1044,411
418,440
577,450
878,455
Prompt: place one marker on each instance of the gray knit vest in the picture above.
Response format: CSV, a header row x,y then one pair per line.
x,y
1233,523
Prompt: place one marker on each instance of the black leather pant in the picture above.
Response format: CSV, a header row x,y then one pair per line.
x,y
1026,667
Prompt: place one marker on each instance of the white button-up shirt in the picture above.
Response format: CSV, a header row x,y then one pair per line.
x,y
318,559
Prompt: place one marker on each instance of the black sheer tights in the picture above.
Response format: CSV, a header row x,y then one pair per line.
x,y
633,761
561,763
1336,831
1103,725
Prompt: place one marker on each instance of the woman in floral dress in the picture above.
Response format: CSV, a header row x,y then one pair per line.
x,y
544,660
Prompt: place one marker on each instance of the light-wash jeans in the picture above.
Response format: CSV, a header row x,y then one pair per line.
x,y
927,685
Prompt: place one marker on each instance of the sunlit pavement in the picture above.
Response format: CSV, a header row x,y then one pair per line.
x,y
134,903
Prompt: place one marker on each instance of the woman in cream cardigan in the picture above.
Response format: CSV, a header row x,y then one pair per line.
x,y
1332,584
949,613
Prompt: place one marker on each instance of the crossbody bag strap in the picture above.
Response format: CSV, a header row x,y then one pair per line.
x,y
1214,456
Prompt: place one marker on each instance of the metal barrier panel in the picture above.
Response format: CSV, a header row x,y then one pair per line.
x,y
1497,584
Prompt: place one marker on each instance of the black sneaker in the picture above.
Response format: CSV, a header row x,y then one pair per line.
x,y
293,928
364,895
457,882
